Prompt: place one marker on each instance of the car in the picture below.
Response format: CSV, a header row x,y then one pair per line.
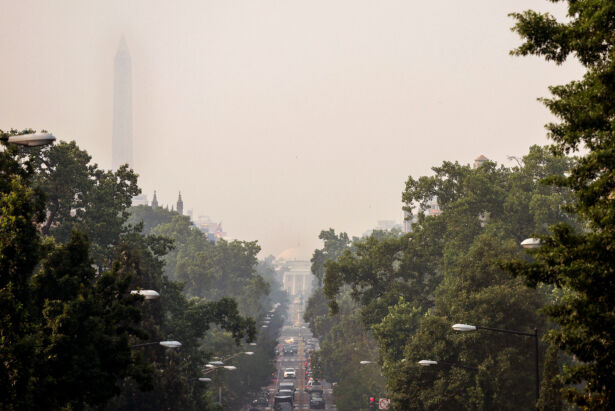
x,y
317,402
284,407
289,393
260,402
313,387
290,373
290,349
279,401
287,385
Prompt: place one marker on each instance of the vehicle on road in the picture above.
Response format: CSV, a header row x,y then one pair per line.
x,y
290,373
287,386
290,349
314,387
288,393
317,401
281,400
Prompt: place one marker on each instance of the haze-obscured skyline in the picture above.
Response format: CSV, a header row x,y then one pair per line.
x,y
280,118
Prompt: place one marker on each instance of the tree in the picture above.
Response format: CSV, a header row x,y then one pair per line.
x,y
448,270
21,210
580,262
334,245
85,325
64,330
83,197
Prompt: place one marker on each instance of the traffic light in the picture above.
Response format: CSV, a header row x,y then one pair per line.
x,y
372,403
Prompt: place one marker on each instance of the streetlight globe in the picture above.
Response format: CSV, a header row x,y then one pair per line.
x,y
364,362
253,344
204,379
464,327
230,367
32,139
215,363
427,363
171,344
147,294
530,243
249,353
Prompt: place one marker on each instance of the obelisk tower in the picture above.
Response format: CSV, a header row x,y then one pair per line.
x,y
122,108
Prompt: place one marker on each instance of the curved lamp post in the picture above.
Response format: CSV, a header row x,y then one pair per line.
x,y
215,366
30,140
534,335
432,363
167,344
147,294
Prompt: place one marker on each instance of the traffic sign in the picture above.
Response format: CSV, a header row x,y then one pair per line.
x,y
384,403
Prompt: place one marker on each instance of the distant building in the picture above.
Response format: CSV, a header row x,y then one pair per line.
x,y
478,161
122,109
212,229
384,225
180,204
433,208
141,199
154,200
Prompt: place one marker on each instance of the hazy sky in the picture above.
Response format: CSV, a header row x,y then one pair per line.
x,y
280,117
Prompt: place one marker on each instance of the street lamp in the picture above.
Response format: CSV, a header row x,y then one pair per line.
x,y
167,344
530,243
467,327
147,294
30,140
365,362
432,363
204,379
215,366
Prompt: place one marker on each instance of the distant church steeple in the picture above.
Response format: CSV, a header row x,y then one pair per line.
x,y
154,200
180,204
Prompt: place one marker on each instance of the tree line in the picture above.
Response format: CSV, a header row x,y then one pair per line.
x,y
74,335
466,265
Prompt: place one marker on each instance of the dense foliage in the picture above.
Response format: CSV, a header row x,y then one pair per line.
x,y
581,263
72,332
408,290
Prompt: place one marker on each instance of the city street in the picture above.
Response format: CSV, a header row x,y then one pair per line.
x,y
296,331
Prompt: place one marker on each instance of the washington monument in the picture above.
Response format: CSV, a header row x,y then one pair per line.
x,y
122,108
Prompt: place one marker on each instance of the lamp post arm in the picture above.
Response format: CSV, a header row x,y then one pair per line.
x,y
533,335
454,364
144,344
500,330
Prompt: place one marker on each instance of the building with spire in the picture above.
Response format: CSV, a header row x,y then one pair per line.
x,y
154,200
180,204
122,144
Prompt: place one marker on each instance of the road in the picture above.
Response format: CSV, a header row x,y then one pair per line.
x,y
296,330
